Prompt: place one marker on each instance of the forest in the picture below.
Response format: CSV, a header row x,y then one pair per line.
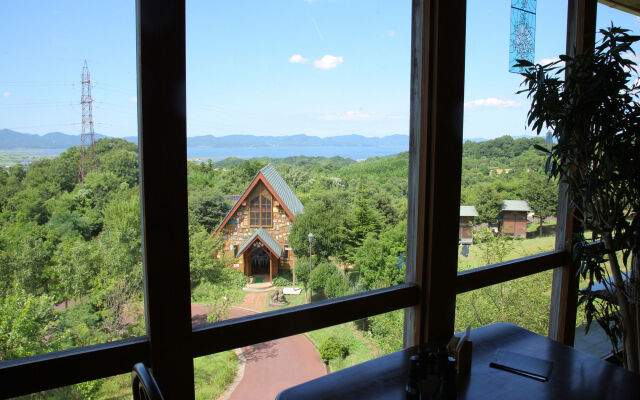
x,y
70,254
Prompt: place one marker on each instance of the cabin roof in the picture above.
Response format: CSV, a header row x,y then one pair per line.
x,y
266,239
516,205
468,211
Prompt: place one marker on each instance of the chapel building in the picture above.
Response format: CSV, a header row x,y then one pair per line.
x,y
256,229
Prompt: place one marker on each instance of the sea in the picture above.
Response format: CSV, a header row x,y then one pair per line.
x,y
220,153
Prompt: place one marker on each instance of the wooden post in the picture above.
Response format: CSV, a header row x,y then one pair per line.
x,y
581,31
435,159
163,156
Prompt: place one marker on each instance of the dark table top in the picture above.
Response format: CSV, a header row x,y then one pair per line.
x,y
575,375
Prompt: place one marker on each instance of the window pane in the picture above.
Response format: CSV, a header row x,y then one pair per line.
x,y
298,122
279,364
113,387
524,302
70,242
505,192
595,341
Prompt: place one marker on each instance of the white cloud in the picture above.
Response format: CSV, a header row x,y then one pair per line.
x,y
490,102
297,59
328,62
6,94
133,99
546,61
391,33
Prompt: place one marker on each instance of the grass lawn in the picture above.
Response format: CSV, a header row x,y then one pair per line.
x,y
214,373
524,302
522,248
115,388
360,350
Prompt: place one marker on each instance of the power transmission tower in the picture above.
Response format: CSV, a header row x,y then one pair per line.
x,y
88,159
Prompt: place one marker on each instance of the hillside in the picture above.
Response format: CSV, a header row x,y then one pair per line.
x,y
56,140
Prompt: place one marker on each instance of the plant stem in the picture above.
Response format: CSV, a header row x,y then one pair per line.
x,y
629,335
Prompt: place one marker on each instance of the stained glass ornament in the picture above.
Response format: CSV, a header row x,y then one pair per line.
x,y
522,43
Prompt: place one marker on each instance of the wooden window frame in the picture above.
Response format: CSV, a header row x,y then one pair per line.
x,y
428,297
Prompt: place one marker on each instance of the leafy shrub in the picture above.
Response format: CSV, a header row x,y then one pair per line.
x,y
333,348
284,278
234,278
321,274
337,285
386,330
302,270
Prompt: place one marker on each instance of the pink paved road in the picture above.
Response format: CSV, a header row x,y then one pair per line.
x,y
276,365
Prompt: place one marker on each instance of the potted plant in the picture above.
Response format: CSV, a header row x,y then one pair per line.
x,y
594,117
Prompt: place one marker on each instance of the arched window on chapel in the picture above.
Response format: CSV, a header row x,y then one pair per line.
x,y
260,207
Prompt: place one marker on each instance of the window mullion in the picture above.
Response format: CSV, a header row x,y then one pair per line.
x,y
435,163
163,185
581,33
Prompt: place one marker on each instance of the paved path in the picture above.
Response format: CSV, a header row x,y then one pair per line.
x,y
273,366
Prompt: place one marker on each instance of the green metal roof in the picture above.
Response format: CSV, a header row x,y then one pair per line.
x,y
282,189
468,211
267,239
516,205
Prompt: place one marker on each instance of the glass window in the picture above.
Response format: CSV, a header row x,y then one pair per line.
x,y
507,203
70,241
260,208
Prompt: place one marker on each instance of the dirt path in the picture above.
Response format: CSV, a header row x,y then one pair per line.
x,y
254,301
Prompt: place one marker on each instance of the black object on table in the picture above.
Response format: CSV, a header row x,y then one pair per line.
x,y
575,375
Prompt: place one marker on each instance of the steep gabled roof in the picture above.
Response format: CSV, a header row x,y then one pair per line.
x,y
276,186
516,205
266,239
282,189
468,211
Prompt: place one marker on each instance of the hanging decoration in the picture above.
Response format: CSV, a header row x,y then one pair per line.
x,y
522,45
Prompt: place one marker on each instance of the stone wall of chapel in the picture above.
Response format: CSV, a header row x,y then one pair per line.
x,y
237,231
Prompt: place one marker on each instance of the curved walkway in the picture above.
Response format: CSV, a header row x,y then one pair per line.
x,y
273,366
267,368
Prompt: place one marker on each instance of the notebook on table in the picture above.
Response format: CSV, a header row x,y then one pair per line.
x,y
521,364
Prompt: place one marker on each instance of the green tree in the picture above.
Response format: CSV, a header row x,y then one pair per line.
x,y
203,249
324,217
75,264
302,274
123,164
207,207
488,203
25,258
362,221
25,322
542,195
495,247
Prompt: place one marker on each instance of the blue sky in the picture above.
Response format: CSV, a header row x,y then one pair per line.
x,y
281,67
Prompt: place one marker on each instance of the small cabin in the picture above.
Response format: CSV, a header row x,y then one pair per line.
x,y
513,218
465,233
256,229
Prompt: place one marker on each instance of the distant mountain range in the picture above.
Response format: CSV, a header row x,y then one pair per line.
x,y
56,140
